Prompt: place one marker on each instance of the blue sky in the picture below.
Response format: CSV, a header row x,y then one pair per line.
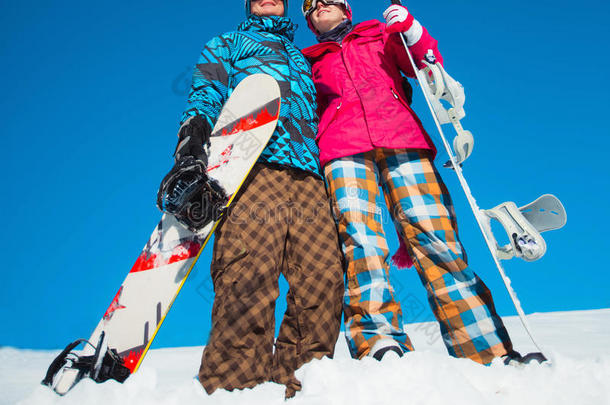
x,y
89,108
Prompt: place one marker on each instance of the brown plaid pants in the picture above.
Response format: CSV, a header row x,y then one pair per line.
x,y
279,223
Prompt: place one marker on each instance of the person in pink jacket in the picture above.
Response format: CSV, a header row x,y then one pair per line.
x,y
369,136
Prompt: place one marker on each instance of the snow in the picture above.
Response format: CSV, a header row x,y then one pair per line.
x,y
577,342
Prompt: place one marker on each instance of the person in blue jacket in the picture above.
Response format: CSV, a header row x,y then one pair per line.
x,y
279,223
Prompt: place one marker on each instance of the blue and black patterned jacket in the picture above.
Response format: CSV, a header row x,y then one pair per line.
x,y
262,45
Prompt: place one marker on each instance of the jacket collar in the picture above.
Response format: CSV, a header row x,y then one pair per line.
x,y
369,28
282,26
338,33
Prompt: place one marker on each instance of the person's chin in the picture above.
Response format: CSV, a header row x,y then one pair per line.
x,y
323,21
330,24
269,10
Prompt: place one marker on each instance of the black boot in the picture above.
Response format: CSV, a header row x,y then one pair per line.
x,y
385,346
515,359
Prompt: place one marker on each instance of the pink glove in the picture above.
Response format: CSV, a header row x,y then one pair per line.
x,y
397,19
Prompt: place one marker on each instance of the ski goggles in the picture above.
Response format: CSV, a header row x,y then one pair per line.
x,y
310,5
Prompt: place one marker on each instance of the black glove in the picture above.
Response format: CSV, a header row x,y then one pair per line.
x,y
190,195
193,134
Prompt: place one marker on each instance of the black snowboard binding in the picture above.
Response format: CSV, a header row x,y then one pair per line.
x,y
103,365
190,195
514,358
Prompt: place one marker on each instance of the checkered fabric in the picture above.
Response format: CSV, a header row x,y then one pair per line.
x,y
420,205
279,223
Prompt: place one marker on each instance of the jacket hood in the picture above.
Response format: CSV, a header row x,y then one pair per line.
x,y
364,29
273,24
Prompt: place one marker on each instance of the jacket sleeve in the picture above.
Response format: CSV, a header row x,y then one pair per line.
x,y
210,83
420,42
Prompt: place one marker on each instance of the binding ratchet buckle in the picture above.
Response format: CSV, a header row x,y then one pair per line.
x,y
104,364
523,226
438,85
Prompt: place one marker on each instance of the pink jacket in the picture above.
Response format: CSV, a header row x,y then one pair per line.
x,y
361,103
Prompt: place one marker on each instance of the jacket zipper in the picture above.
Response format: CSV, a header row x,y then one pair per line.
x,y
404,103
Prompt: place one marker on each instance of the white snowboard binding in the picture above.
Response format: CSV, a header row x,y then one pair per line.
x,y
438,85
523,226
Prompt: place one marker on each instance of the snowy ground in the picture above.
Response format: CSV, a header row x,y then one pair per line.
x,y
579,343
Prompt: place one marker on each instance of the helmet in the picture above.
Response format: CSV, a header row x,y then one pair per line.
x,y
249,12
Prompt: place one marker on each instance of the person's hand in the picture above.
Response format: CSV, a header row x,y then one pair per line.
x,y
193,134
398,19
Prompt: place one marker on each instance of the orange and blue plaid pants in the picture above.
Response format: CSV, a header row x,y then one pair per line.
x,y
423,213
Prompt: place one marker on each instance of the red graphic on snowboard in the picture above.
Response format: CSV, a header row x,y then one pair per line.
x,y
148,260
225,156
250,122
131,360
115,305
254,120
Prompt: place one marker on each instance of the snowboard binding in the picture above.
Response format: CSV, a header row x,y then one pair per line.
x,y
438,85
523,226
190,195
515,359
103,365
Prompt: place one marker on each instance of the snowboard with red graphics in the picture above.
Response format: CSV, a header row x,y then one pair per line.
x,y
129,325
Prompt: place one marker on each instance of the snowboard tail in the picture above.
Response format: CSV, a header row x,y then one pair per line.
x,y
129,325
